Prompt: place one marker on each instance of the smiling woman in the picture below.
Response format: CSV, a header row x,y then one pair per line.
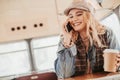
x,y
80,50
78,21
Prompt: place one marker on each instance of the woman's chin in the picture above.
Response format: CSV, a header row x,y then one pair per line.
x,y
77,29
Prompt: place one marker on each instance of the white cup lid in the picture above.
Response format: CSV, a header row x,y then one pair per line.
x,y
111,51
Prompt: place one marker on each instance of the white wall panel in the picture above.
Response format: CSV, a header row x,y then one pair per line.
x,y
17,19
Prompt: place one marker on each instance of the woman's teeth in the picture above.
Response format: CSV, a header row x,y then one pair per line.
x,y
76,24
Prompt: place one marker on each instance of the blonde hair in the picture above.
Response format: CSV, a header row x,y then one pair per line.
x,y
94,28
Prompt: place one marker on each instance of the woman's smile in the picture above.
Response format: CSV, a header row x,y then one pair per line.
x,y
77,23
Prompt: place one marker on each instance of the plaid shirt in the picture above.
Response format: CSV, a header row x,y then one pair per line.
x,y
94,54
73,60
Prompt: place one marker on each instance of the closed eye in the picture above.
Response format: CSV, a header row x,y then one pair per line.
x,y
80,14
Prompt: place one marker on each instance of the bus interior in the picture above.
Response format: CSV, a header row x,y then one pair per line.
x,y
29,35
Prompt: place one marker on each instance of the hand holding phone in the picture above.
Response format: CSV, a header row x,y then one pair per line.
x,y
67,35
69,27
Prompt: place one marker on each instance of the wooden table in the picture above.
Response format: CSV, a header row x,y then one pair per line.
x,y
97,76
52,76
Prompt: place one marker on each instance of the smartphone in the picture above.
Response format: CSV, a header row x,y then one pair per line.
x,y
69,27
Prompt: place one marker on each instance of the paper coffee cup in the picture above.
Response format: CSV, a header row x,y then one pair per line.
x,y
110,60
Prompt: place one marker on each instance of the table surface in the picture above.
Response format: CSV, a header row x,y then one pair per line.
x,y
97,76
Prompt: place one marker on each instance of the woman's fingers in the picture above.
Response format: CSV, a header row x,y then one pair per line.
x,y
118,62
117,66
118,55
64,26
63,29
118,58
66,35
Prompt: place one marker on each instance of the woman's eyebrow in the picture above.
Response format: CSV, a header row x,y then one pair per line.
x,y
79,12
76,13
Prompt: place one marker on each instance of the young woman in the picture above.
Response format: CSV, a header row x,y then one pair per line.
x,y
81,48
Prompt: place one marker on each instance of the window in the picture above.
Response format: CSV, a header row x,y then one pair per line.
x,y
113,22
14,59
44,51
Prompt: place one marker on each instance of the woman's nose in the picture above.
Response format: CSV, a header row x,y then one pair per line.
x,y
75,18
